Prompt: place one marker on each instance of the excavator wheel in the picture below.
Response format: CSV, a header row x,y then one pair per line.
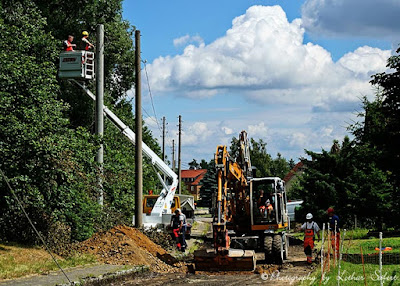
x,y
268,248
286,248
277,249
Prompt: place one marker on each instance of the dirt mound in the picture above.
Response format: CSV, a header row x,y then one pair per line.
x,y
128,246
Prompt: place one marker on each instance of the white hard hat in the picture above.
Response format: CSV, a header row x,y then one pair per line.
x,y
309,216
178,210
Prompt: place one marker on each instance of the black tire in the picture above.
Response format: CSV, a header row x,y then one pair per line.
x,y
268,249
277,249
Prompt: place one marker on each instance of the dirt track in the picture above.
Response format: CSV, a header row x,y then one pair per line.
x,y
290,273
126,245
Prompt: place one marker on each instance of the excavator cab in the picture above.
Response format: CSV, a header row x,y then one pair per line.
x,y
263,191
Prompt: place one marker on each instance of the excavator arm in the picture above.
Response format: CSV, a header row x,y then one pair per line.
x,y
230,174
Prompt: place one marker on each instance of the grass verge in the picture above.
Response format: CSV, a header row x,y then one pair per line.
x,y
369,245
17,261
353,275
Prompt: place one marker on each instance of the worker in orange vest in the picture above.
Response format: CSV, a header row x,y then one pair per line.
x,y
68,45
310,229
335,230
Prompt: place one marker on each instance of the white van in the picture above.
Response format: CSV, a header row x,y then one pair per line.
x,y
291,207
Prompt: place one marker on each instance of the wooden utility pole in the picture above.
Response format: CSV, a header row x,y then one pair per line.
x,y
99,120
179,155
138,136
173,155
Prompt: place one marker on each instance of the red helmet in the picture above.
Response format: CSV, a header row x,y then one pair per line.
x,y
330,210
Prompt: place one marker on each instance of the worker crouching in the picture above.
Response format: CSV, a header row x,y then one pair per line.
x,y
178,224
310,229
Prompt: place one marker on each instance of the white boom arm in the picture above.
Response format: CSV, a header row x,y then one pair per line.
x,y
164,201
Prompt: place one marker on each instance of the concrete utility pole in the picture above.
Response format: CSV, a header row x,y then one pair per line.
x,y
163,138
179,156
99,120
138,138
173,155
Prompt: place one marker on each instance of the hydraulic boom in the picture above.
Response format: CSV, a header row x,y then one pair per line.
x,y
164,201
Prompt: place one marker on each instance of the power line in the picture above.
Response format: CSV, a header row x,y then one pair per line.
x,y
151,96
145,111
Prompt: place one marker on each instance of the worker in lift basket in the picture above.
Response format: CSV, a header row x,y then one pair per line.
x,y
85,42
178,224
68,45
310,228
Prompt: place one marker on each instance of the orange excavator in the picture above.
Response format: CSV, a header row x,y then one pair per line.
x,y
250,215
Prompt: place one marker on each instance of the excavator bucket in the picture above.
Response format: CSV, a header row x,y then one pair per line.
x,y
229,260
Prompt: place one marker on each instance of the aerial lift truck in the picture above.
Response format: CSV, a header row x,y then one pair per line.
x,y
78,66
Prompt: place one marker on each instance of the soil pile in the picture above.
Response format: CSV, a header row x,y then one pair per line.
x,y
128,246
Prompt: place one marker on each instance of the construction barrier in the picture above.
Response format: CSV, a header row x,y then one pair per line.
x,y
372,258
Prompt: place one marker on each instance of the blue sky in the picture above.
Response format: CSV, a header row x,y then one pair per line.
x,y
288,72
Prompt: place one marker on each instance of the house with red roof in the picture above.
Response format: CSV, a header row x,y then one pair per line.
x,y
293,175
191,178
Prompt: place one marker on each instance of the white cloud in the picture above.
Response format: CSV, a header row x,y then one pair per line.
x,y
298,139
263,58
365,60
258,130
196,134
188,39
227,130
368,18
307,99
327,131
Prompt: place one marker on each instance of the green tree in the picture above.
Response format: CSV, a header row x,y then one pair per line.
x,y
279,167
203,164
347,179
260,158
193,165
291,164
208,185
46,147
388,114
50,166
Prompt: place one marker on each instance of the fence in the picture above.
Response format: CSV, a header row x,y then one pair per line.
x,y
334,251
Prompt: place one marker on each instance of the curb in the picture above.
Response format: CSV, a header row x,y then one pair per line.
x,y
107,278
